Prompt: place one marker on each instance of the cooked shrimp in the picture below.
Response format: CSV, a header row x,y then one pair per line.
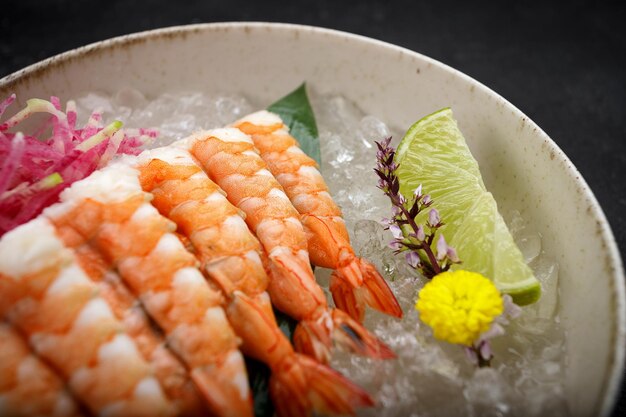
x,y
29,387
355,282
229,158
46,294
232,257
167,368
139,242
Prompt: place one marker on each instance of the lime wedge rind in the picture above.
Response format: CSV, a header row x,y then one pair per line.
x,y
524,294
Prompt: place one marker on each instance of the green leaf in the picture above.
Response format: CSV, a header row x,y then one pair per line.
x,y
286,324
259,378
296,112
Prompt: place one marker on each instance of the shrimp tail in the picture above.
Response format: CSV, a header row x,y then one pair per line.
x,y
359,284
350,334
225,386
315,337
292,286
294,291
298,385
301,385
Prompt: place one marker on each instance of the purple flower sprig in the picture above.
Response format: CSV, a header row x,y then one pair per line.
x,y
409,237
480,353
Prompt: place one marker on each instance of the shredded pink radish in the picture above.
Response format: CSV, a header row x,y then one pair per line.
x,y
35,168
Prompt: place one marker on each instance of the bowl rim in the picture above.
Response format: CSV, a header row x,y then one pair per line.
x,y
616,373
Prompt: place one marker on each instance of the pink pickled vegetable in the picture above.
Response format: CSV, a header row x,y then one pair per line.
x,y
35,168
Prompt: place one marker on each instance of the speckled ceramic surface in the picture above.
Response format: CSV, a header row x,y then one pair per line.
x,y
521,165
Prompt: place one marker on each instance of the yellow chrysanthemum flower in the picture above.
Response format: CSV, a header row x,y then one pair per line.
x,y
459,306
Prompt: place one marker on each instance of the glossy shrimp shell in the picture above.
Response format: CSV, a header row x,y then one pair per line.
x,y
28,386
134,238
232,257
46,294
354,282
167,368
229,158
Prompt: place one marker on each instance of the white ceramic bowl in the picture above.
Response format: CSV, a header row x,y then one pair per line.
x,y
521,165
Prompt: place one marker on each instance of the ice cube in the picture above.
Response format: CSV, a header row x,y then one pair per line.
x,y
369,237
540,315
372,129
487,393
530,245
131,98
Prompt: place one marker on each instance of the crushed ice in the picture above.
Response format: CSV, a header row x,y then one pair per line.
x,y
429,378
432,378
175,115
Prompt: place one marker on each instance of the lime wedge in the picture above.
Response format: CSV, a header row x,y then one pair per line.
x,y
433,153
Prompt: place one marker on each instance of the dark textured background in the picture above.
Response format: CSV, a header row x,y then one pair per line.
x,y
563,65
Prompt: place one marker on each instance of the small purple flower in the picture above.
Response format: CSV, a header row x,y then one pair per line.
x,y
401,199
511,309
396,231
418,192
485,351
495,330
412,258
442,248
479,354
426,200
433,218
395,245
471,355
452,255
420,235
